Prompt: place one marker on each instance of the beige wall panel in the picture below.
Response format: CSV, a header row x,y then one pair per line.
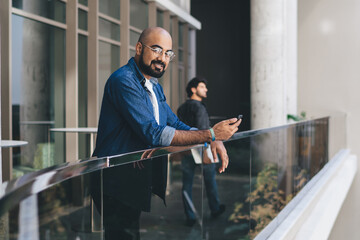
x,y
175,68
71,80
124,36
152,14
93,64
166,83
328,67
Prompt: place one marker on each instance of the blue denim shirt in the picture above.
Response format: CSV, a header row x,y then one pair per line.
x,y
127,121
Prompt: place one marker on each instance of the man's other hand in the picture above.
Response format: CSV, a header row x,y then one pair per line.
x,y
217,147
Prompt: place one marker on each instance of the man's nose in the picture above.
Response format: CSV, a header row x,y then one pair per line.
x,y
162,57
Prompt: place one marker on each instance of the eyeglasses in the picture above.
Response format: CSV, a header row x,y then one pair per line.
x,y
159,52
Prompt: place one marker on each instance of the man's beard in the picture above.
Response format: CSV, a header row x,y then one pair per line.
x,y
148,70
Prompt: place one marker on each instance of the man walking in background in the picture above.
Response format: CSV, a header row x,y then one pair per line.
x,y
193,113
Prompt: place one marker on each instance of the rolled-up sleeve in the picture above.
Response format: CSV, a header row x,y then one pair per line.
x,y
167,136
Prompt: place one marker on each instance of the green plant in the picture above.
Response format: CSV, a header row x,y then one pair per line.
x,y
297,117
265,201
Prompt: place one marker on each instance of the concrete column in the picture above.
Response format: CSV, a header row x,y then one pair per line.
x,y
35,83
273,61
291,66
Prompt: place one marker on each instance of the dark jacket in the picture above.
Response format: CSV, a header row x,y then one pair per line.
x,y
194,114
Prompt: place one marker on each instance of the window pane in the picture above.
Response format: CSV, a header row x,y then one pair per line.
x,y
181,35
134,37
84,151
109,61
138,14
109,30
132,52
181,85
38,93
181,55
110,8
82,20
52,9
160,19
82,78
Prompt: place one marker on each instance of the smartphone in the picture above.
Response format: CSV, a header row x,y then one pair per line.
x,y
240,116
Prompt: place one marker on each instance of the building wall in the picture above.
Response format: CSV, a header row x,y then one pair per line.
x,y
329,56
328,82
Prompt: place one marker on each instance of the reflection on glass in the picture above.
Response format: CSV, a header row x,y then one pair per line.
x,y
63,211
52,9
282,162
138,14
110,8
82,23
38,96
109,61
109,30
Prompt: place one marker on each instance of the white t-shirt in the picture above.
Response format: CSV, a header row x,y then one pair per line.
x,y
153,99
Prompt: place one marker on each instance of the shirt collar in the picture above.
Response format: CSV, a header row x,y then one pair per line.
x,y
139,75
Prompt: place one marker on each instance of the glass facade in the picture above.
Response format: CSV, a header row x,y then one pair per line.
x,y
40,74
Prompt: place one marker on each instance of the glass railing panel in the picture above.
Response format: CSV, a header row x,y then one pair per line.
x,y
53,203
301,151
146,183
233,191
265,195
61,211
267,168
337,133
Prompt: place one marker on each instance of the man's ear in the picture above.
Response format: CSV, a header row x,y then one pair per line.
x,y
138,48
193,90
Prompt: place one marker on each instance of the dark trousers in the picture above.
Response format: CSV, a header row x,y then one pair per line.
x,y
121,222
188,170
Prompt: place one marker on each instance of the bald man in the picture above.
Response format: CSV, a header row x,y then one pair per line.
x,y
135,116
